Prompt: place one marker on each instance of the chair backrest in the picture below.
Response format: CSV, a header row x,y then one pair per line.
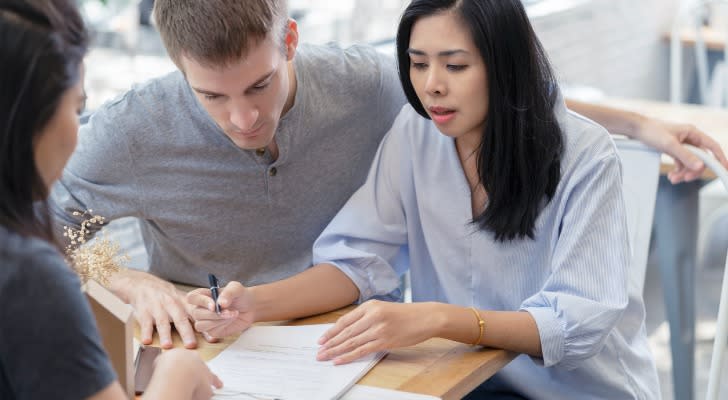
x,y
640,173
721,333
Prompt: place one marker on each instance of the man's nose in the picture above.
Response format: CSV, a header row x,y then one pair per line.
x,y
243,116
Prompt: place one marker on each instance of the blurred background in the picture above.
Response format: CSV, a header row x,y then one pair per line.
x,y
616,47
599,48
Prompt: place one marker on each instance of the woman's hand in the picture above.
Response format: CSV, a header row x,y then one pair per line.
x,y
375,326
181,374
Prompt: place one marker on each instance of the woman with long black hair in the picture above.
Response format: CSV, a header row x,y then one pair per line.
x,y
508,208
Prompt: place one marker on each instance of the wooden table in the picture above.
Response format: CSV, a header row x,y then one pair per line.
x,y
713,121
436,367
714,39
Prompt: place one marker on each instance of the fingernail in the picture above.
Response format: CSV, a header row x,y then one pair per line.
x,y
697,165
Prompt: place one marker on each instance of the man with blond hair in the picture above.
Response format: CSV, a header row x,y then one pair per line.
x,y
235,163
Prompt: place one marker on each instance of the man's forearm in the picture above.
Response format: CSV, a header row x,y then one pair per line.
x,y
319,289
612,119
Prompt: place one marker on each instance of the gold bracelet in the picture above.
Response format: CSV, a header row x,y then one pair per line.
x,y
481,325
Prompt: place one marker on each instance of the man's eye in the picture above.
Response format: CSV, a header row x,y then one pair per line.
x,y
261,86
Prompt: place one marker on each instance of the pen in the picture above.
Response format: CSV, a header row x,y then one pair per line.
x,y
214,289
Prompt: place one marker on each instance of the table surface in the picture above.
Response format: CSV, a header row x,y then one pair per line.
x,y
436,367
714,39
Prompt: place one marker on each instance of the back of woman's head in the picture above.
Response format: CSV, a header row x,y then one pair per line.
x,y
520,151
42,45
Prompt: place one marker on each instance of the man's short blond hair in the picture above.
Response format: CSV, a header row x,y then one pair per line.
x,y
217,32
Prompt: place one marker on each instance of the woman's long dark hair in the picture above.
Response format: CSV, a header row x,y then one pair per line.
x,y
519,159
42,45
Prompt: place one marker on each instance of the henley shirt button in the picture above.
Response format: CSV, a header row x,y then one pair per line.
x,y
273,171
260,152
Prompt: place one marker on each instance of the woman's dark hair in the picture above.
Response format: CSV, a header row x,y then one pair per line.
x,y
519,159
42,45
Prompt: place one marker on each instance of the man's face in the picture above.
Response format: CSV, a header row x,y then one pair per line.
x,y
246,98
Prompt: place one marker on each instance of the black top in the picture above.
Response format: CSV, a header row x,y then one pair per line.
x,y
49,345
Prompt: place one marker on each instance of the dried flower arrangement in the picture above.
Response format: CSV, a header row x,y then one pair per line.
x,y
97,259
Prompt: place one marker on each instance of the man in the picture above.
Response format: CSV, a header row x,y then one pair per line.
x,y
235,163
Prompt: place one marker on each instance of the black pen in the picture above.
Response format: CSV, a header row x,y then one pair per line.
x,y
214,289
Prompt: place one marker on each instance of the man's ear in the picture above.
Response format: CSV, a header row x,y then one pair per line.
x,y
291,39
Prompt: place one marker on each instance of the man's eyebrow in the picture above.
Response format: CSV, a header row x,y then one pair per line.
x,y
211,93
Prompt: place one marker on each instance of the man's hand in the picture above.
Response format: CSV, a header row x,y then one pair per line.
x,y
669,138
237,305
157,303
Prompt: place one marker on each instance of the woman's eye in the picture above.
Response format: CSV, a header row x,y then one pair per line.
x,y
455,67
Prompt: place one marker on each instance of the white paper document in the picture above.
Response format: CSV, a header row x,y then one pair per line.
x,y
363,392
279,362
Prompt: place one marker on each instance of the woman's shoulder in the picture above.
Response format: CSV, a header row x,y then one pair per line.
x,y
32,262
585,141
14,246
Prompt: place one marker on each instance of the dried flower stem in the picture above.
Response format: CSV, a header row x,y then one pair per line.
x,y
98,259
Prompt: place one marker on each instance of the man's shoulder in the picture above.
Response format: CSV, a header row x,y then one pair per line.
x,y
156,93
356,63
145,106
333,52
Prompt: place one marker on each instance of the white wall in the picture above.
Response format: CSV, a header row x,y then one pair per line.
x,y
612,45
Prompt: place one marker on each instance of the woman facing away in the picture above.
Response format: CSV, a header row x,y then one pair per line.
x,y
506,208
49,345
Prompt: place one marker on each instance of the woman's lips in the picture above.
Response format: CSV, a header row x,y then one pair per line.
x,y
441,115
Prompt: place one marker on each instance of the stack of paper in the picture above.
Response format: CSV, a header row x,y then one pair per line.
x,y
279,362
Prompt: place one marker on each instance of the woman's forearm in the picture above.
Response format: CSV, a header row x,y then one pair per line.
x,y
510,330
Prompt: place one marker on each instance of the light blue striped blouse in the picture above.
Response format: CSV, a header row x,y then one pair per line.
x,y
414,212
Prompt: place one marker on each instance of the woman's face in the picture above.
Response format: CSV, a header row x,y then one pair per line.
x,y
449,76
57,140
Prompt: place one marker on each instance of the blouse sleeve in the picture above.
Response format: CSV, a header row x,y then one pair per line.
x,y
586,292
368,235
